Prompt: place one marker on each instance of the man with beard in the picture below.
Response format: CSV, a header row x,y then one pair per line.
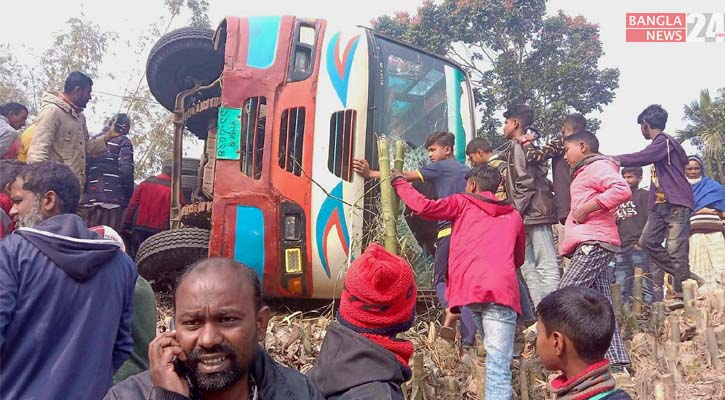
x,y
60,129
66,294
214,353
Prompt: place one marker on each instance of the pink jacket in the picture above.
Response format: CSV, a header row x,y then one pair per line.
x,y
598,178
488,243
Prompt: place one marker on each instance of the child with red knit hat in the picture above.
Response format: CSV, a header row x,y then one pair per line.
x,y
361,358
488,243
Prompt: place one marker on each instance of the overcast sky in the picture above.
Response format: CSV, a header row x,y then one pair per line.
x,y
671,74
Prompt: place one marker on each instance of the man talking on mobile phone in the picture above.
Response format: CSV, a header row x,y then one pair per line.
x,y
214,352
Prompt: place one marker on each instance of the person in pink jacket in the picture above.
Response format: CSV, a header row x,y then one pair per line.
x,y
488,243
592,238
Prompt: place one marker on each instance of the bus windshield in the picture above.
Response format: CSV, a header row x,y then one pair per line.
x,y
419,94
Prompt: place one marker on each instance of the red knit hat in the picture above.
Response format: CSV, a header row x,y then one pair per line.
x,y
379,294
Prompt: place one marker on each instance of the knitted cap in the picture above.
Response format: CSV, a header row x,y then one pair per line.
x,y
379,293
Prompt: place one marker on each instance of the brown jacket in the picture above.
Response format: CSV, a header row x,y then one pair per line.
x,y
528,188
61,135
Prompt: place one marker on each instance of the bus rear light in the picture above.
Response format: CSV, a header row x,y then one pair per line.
x,y
294,285
292,227
293,262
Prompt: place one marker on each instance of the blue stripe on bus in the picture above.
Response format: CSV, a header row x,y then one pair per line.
x,y
263,38
454,91
249,241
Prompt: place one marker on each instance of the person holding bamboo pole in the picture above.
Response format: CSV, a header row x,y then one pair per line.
x,y
448,177
488,244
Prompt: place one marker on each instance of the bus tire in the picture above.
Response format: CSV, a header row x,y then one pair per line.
x,y
164,255
177,61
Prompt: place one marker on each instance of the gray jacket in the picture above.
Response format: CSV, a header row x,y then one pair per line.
x,y
273,382
352,367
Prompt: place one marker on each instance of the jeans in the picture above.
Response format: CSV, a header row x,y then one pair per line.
x,y
440,277
527,310
497,325
671,222
540,269
625,263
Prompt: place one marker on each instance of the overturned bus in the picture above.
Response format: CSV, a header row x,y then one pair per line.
x,y
283,105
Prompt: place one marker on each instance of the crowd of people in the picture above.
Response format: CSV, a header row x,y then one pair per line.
x,y
514,250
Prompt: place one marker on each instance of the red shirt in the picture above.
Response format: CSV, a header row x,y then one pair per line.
x,y
150,204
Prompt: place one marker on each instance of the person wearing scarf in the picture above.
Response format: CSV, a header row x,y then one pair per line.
x,y
574,327
361,358
707,243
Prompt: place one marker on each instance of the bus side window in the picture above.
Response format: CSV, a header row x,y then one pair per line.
x,y
342,137
254,118
291,140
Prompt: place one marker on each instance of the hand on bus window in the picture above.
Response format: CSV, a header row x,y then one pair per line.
x,y
362,168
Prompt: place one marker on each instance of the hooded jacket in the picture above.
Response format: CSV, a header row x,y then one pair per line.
x,y
595,178
61,135
528,188
488,243
273,382
352,367
66,303
110,174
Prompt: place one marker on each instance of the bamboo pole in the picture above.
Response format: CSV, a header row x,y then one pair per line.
x,y
417,392
637,291
668,387
390,238
398,165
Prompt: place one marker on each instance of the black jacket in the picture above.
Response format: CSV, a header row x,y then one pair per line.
x,y
274,382
351,366
528,188
109,175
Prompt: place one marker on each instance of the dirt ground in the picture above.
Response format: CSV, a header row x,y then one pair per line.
x,y
445,371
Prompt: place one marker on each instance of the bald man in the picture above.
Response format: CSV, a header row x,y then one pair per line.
x,y
215,351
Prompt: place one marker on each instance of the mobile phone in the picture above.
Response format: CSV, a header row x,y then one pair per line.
x,y
180,367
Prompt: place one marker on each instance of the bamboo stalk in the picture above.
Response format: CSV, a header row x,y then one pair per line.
x,y
689,291
390,238
720,335
700,320
523,379
398,165
674,328
417,392
616,289
668,386
637,291
671,355
713,351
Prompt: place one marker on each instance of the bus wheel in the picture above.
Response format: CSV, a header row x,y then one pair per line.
x,y
164,255
178,61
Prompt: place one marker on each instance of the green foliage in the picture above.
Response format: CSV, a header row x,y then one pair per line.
x,y
514,54
81,47
12,79
706,126
199,11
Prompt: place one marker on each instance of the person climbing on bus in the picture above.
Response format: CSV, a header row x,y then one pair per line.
x,y
448,177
